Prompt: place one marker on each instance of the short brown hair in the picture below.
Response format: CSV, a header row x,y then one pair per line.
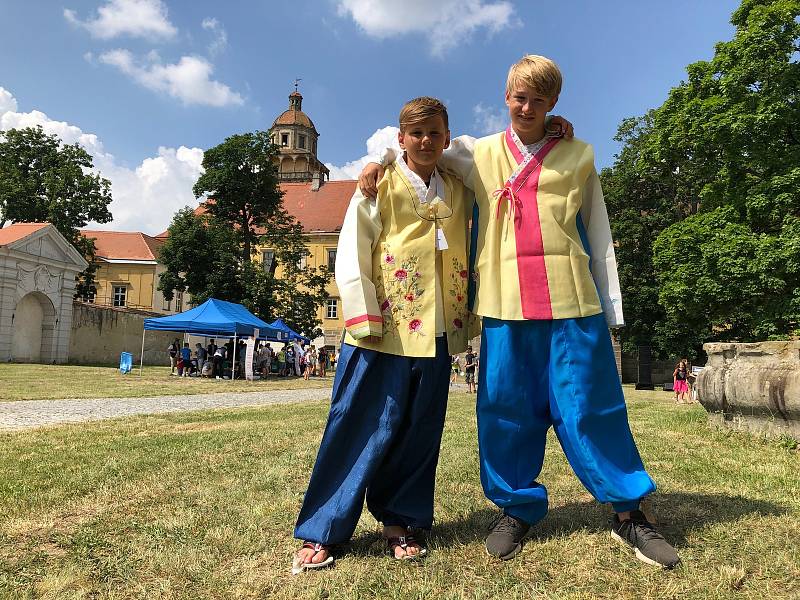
x,y
422,108
535,72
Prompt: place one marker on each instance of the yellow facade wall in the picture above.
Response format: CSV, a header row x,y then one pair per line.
x,y
318,245
139,281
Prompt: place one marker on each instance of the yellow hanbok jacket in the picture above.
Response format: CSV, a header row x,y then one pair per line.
x,y
386,266
542,241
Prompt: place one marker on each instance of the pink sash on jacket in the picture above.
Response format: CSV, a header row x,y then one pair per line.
x,y
520,193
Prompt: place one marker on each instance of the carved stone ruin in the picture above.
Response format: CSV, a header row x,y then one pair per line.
x,y
753,386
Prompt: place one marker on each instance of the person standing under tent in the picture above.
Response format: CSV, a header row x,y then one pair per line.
x,y
173,349
299,352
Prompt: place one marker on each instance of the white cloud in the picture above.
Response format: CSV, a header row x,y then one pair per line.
x,y
7,102
188,80
489,120
220,41
445,23
69,134
144,198
382,138
135,18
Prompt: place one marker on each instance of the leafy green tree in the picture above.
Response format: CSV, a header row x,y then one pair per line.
x,y
210,255
42,179
639,199
200,256
241,178
737,289
715,173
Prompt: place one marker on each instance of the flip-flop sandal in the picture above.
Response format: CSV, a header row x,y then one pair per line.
x,y
404,541
298,567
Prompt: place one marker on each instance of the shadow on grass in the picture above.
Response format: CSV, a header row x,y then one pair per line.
x,y
677,515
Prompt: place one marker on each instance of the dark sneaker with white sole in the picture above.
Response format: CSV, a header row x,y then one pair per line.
x,y
648,545
505,539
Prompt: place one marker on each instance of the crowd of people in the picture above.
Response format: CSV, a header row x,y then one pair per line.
x,y
290,359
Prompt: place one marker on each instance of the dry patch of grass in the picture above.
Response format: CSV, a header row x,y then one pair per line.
x,y
48,382
202,505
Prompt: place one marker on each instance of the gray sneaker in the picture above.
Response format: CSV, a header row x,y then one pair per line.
x,y
648,545
505,539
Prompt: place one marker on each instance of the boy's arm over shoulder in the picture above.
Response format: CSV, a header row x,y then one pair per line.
x,y
604,263
459,158
359,235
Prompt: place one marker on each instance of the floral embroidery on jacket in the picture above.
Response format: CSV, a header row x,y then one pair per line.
x,y
401,290
459,279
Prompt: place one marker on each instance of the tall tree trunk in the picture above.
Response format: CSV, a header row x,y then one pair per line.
x,y
246,238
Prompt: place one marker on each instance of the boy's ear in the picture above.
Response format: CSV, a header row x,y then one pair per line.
x,y
553,103
447,140
508,97
400,138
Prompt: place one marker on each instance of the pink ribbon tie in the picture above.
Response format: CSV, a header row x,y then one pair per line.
x,y
507,193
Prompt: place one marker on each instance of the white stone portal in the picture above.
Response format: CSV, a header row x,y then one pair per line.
x,y
37,283
32,331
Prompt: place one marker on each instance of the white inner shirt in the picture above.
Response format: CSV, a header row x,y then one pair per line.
x,y
527,151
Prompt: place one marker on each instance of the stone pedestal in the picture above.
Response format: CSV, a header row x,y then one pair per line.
x,y
753,386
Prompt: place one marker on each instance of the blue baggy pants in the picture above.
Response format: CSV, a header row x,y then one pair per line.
x,y
382,439
560,373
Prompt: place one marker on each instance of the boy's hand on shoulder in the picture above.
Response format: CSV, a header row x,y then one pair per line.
x,y
561,127
369,178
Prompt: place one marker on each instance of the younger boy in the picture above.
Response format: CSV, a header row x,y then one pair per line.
x,y
544,277
401,269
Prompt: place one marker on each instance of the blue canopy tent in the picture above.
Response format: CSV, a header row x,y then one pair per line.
x,y
212,318
287,334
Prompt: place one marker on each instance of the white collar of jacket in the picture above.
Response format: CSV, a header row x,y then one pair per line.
x,y
528,152
425,193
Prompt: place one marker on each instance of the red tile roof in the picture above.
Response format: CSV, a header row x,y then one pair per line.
x,y
17,231
294,117
124,245
320,211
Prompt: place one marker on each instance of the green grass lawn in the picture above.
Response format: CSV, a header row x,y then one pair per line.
x,y
202,505
46,382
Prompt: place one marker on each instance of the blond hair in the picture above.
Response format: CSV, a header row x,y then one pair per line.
x,y
536,72
422,108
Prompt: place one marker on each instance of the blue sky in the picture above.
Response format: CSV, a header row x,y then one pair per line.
x,y
146,85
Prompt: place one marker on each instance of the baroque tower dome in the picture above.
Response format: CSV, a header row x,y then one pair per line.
x,y
295,134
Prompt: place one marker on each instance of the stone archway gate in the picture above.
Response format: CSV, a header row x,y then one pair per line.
x,y
37,283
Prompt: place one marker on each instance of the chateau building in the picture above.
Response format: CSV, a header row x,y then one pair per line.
x,y
318,204
321,212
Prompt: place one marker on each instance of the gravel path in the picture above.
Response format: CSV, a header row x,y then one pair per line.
x,y
26,414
